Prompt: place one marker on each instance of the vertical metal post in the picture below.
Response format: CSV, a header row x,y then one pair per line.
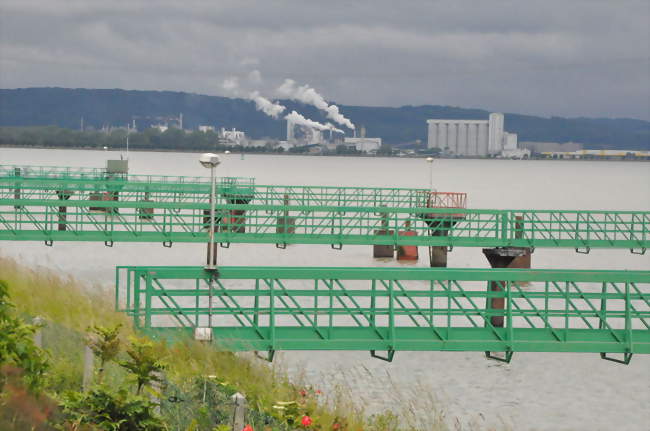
x,y
197,303
136,301
628,319
272,313
373,300
256,305
210,281
316,303
212,258
391,316
147,302
89,359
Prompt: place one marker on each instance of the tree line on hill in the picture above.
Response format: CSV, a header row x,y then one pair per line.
x,y
397,126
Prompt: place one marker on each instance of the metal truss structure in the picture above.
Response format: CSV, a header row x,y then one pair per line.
x,y
63,204
394,309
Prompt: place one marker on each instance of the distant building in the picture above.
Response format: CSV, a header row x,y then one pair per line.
x,y
161,127
541,147
366,145
471,137
206,129
232,137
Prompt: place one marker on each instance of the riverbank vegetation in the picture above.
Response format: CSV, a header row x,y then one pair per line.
x,y
140,383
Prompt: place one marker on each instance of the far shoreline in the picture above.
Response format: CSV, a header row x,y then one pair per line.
x,y
418,156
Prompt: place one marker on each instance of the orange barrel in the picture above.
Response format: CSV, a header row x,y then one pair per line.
x,y
407,252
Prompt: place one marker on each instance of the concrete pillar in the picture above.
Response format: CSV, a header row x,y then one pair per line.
x,y
438,254
238,412
383,250
63,195
17,191
504,257
286,224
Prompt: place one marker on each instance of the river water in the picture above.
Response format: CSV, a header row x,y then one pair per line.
x,y
537,391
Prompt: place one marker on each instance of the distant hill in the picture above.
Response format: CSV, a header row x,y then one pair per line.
x,y
64,107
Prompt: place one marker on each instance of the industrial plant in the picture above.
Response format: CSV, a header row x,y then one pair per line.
x,y
474,138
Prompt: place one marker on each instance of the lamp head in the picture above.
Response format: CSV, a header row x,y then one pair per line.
x,y
429,159
209,160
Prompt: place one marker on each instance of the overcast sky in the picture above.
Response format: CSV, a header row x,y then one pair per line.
x,y
550,57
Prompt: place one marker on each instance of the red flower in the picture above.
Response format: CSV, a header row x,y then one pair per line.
x,y
303,393
336,426
318,392
306,421
248,428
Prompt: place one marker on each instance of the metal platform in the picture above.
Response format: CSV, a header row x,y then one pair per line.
x,y
393,309
63,204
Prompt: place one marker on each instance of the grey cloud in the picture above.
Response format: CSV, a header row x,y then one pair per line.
x,y
554,57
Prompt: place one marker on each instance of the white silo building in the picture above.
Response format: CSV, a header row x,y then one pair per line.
x,y
468,137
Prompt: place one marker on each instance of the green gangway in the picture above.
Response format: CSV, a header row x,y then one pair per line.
x,y
66,204
394,309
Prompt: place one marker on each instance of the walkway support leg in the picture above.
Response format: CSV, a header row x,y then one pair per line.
x,y
438,254
504,257
379,250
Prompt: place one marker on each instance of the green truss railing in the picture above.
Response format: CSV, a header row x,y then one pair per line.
x,y
393,309
54,205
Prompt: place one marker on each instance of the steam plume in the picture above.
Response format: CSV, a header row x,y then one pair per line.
x,y
307,94
265,105
298,119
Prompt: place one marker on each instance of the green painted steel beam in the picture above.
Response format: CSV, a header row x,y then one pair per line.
x,y
414,339
370,273
64,204
342,308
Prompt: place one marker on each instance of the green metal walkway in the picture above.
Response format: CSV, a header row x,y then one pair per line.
x,y
65,204
375,309
394,309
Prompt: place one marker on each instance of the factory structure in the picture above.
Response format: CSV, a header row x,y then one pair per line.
x,y
474,138
328,139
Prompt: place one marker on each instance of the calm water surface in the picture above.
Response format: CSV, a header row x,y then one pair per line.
x,y
541,391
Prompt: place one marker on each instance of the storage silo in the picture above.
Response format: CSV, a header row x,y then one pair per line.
x,y
483,138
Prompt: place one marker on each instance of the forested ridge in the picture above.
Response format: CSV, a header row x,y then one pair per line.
x,y
65,108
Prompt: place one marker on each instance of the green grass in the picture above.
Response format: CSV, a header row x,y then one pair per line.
x,y
194,371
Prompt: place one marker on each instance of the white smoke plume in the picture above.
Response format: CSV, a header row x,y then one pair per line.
x,y
299,120
307,94
272,109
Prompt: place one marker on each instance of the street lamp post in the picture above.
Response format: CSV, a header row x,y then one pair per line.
x,y
211,160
